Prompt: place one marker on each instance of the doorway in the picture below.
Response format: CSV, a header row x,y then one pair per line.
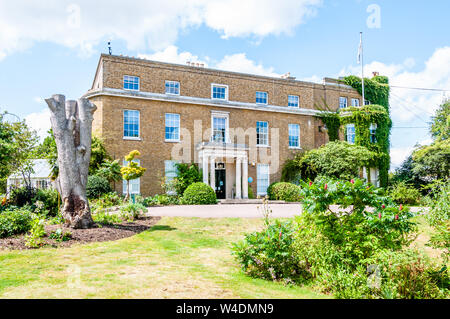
x,y
221,181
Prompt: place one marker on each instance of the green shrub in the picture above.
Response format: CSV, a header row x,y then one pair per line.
x,y
410,274
352,252
49,197
270,193
97,186
105,201
335,160
59,235
132,211
401,193
269,254
359,233
199,194
14,221
439,218
47,200
34,238
187,174
250,193
161,200
286,191
105,218
22,196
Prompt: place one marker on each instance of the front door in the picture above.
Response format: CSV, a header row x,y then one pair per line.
x,y
220,184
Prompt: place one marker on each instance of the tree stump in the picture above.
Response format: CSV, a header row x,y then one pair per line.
x,y
72,127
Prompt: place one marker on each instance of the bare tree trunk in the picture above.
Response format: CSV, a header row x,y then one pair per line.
x,y
72,125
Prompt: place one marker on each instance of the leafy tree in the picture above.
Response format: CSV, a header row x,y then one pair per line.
x,y
433,161
6,147
18,141
111,171
47,149
440,125
98,155
335,159
132,170
405,173
187,174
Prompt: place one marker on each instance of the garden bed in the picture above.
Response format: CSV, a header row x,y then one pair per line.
x,y
81,236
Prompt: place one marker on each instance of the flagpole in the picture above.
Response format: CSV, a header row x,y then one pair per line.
x,y
362,70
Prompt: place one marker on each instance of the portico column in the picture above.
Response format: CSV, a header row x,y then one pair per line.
x,y
213,173
245,178
238,178
205,169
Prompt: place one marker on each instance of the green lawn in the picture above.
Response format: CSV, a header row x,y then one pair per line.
x,y
177,258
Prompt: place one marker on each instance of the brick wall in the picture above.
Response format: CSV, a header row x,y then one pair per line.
x,y
196,82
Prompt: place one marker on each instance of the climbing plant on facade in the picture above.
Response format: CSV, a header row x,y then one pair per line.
x,y
376,115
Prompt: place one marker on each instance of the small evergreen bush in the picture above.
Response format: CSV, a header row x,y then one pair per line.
x,y
50,199
199,194
97,186
270,193
402,193
286,191
15,221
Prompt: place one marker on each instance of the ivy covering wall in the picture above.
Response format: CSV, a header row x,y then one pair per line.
x,y
377,93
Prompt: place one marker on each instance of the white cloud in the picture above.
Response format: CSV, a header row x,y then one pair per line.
x,y
240,63
413,104
236,62
141,24
236,18
398,156
39,121
171,55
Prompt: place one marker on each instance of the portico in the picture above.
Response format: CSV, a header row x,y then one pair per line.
x,y
225,168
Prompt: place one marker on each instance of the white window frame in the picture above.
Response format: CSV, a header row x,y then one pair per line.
x,y
137,180
213,85
298,101
139,126
354,133
267,98
169,93
267,134
258,179
341,100
289,136
176,140
226,116
132,76
356,103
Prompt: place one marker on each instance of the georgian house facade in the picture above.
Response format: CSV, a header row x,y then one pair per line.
x,y
239,128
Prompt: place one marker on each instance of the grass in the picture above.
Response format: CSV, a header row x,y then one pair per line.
x,y
177,258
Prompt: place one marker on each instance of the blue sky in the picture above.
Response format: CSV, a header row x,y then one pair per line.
x,y
53,46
